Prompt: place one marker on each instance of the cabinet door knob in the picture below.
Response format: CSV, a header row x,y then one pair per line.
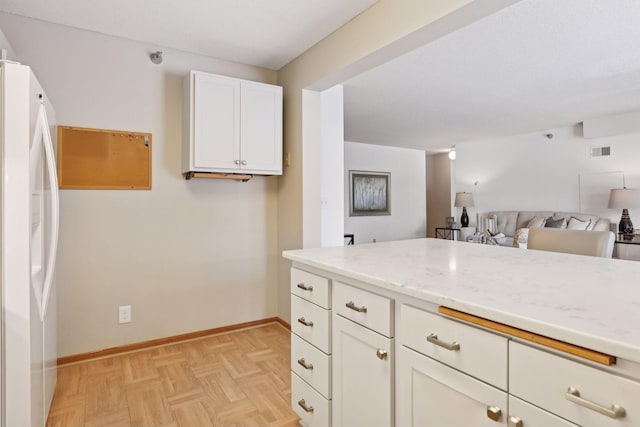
x,y
494,413
304,406
352,306
305,287
305,365
305,322
244,163
382,354
453,346
237,162
515,422
616,411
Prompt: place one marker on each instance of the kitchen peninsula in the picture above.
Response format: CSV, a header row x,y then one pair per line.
x,y
401,303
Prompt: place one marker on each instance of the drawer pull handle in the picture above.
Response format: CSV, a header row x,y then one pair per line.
x,y
494,413
382,354
304,406
352,306
433,339
308,323
304,287
515,422
305,365
616,411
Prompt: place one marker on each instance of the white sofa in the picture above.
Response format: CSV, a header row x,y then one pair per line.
x,y
513,225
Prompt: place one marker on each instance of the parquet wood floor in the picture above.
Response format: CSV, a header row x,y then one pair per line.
x,y
234,379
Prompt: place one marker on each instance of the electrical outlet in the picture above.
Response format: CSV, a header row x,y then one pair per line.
x,y
124,314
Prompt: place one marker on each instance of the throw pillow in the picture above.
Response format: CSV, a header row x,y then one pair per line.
x,y
555,223
536,222
491,224
576,224
522,235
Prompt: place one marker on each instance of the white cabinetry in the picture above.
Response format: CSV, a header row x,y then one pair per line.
x,y
311,348
429,392
543,389
260,128
577,392
349,370
522,414
479,353
363,359
231,125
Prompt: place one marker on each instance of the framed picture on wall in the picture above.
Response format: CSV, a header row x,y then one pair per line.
x,y
369,193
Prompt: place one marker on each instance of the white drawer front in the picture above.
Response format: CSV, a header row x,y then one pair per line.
x,y
317,329
532,416
311,365
481,354
318,409
311,287
370,310
544,379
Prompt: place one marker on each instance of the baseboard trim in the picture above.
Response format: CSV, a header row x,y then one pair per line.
x,y
74,358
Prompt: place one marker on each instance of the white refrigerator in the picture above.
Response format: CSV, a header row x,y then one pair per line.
x,y
29,211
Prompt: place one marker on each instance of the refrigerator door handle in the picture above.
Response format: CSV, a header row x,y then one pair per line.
x,y
55,207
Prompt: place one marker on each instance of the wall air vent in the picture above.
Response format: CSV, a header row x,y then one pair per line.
x,y
600,151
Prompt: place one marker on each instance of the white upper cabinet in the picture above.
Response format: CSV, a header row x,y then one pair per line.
x,y
216,122
231,126
261,127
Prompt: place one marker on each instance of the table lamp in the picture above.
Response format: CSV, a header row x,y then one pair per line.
x,y
462,201
624,198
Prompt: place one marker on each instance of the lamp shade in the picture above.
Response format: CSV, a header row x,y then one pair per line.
x,y
621,198
463,200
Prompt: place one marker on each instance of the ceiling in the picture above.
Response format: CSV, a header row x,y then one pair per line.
x,y
265,33
536,65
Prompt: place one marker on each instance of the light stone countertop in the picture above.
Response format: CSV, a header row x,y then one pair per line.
x,y
587,301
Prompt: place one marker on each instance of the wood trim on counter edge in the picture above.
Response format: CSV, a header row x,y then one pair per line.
x,y
74,358
585,353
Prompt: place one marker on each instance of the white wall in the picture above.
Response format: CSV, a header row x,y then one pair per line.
x,y
332,165
531,172
408,192
312,179
187,256
4,44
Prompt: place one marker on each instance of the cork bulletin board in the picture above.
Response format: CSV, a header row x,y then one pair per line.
x,y
103,159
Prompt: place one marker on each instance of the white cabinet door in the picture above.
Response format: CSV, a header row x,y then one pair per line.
x,y
362,376
216,124
261,128
522,414
430,394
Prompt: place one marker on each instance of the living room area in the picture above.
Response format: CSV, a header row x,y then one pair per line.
x,y
518,180
539,121
558,174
